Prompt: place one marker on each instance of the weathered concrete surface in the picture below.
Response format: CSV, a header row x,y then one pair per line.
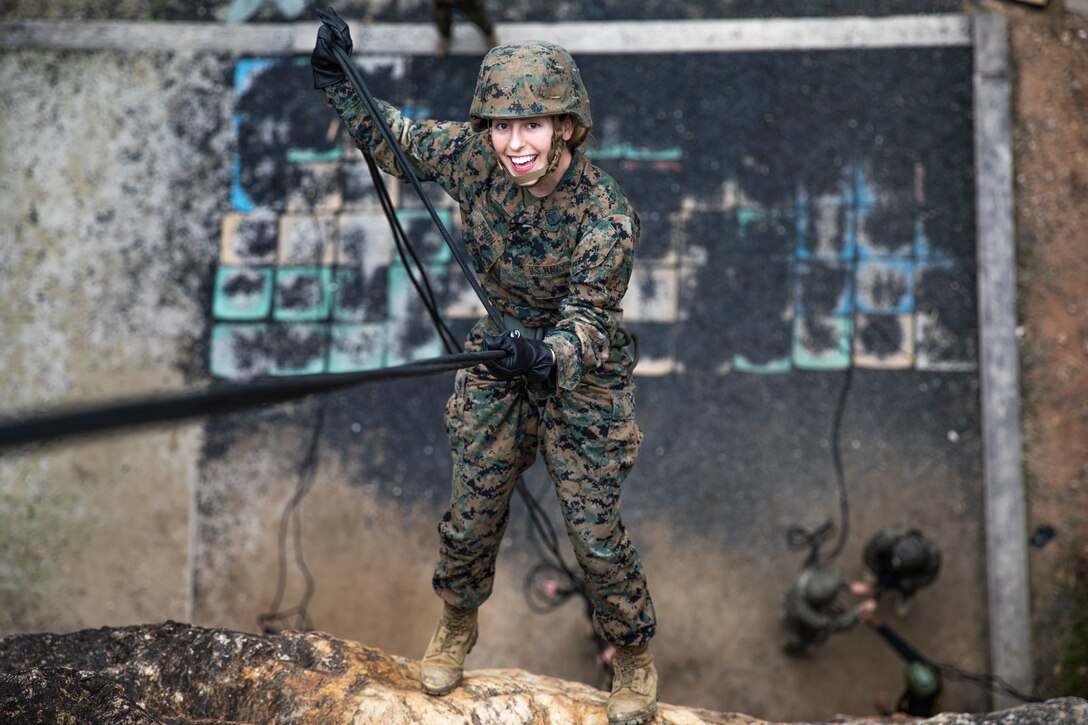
x,y
112,169
121,176
183,674
72,516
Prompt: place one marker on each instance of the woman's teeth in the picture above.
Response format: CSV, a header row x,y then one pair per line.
x,y
521,163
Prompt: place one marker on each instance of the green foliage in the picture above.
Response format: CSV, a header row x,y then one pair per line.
x,y
1074,671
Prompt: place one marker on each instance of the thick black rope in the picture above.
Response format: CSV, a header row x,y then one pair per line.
x,y
402,159
989,681
797,537
216,400
407,252
800,538
275,620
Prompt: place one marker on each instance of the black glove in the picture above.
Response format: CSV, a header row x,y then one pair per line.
x,y
333,33
531,358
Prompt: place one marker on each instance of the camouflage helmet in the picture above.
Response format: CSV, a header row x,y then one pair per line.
x,y
909,553
529,78
921,679
822,585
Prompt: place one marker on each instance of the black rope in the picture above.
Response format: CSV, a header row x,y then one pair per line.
x,y
798,537
402,159
836,461
406,251
567,581
909,654
276,620
218,399
986,680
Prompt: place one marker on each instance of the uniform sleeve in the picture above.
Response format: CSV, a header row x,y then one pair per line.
x,y
600,271
431,146
829,620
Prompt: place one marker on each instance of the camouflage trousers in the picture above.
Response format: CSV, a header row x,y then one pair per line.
x,y
589,441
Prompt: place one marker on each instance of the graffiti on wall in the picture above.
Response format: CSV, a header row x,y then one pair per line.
x,y
848,267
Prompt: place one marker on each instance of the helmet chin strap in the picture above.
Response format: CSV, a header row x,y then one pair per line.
x,y
555,155
527,179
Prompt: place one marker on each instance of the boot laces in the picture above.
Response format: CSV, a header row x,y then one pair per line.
x,y
457,627
625,670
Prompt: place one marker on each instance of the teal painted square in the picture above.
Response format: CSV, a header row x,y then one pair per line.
x,y
299,348
348,296
238,350
772,367
822,343
357,346
303,294
242,293
313,156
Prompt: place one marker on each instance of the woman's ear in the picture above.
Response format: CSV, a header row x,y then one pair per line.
x,y
568,127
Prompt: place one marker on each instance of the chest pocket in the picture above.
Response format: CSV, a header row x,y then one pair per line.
x,y
547,282
482,242
535,264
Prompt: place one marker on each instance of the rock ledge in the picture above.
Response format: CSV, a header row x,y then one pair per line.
x,y
178,674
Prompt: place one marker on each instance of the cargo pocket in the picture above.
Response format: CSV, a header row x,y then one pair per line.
x,y
625,437
483,244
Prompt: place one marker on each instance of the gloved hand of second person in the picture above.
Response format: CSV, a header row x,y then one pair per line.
x,y
333,33
531,358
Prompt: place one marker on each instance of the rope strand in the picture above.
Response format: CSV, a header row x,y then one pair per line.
x,y
216,400
402,159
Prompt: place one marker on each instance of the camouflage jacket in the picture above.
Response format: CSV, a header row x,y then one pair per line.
x,y
562,261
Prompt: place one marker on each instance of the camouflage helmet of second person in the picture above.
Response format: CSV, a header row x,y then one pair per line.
x,y
821,585
526,79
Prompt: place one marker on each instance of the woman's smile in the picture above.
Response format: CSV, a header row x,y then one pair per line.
x,y
523,164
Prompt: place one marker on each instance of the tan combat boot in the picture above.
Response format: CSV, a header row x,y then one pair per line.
x,y
634,686
444,662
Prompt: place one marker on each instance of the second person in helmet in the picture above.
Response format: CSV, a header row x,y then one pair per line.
x,y
552,239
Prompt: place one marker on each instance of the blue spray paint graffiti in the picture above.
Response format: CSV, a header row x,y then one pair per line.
x,y
309,280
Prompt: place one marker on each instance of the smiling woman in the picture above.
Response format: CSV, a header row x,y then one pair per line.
x,y
553,239
526,147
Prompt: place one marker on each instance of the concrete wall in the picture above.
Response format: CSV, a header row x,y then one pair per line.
x,y
115,168
117,180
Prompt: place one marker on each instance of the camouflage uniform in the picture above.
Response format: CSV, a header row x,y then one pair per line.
x,y
560,266
901,559
809,610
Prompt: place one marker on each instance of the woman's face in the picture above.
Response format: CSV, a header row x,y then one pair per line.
x,y
523,144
